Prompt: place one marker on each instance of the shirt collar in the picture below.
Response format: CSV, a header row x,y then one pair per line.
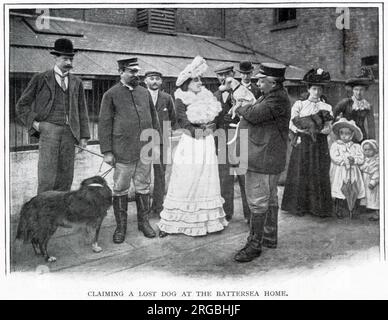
x,y
57,70
153,92
126,85
246,84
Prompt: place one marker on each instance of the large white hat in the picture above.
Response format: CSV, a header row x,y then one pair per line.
x,y
344,123
195,69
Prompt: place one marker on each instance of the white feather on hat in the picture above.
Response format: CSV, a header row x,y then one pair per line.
x,y
195,69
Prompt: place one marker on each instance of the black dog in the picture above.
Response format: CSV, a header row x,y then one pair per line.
x,y
314,123
42,215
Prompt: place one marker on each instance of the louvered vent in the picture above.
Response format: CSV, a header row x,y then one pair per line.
x,y
156,20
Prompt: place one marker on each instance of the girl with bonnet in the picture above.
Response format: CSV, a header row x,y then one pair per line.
x,y
346,157
193,204
356,108
371,175
307,186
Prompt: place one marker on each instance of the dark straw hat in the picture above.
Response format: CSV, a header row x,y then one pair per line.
x,y
317,77
364,78
63,47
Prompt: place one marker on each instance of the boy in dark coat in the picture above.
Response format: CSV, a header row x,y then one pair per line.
x,y
267,123
127,110
53,108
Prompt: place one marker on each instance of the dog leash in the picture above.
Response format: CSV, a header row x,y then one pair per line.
x,y
104,174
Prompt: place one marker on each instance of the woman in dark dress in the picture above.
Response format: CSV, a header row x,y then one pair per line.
x,y
356,108
307,187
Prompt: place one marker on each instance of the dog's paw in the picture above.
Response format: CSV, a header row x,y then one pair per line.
x,y
51,259
96,248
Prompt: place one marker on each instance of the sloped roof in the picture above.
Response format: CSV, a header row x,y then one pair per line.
x,y
100,45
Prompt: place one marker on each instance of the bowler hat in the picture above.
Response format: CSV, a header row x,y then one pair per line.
x,y
269,69
128,63
152,73
224,68
317,77
245,67
64,47
364,78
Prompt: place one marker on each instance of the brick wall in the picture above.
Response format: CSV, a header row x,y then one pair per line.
x,y
193,21
200,21
315,41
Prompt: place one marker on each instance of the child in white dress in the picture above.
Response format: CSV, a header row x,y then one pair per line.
x,y
370,173
346,157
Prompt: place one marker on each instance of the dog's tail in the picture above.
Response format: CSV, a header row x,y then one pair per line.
x,y
22,232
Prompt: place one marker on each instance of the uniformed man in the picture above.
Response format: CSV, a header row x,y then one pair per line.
x,y
164,106
223,121
246,70
267,122
126,110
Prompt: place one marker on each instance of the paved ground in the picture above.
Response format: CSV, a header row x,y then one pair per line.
x,y
304,242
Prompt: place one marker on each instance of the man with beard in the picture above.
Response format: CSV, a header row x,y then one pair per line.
x,y
267,122
127,110
223,121
53,109
164,106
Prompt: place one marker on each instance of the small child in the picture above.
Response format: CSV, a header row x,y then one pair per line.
x,y
371,174
346,156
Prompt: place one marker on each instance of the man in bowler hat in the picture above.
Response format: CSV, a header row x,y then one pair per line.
x,y
223,121
246,70
127,110
164,106
53,108
267,123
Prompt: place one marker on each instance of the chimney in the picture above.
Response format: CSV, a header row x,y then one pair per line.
x,y
156,20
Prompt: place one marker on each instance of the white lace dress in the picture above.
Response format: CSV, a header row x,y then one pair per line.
x,y
193,204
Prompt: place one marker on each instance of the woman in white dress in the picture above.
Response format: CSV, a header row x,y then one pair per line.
x,y
193,204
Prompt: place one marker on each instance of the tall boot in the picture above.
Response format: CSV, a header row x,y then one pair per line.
x,y
120,207
143,211
270,237
252,249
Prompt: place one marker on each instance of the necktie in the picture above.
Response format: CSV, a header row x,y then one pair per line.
x,y
63,83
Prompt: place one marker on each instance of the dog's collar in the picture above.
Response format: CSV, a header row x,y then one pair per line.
x,y
95,185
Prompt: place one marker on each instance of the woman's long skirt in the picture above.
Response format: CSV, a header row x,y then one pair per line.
x,y
307,186
193,204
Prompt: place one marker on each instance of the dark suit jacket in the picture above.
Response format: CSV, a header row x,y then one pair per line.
x,y
37,100
267,122
165,109
124,114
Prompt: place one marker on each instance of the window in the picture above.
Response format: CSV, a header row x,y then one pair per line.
x,y
284,15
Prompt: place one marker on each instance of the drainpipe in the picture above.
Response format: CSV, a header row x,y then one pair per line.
x,y
343,62
223,25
